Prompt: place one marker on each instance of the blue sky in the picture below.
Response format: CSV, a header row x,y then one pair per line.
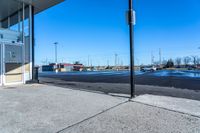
x,y
97,29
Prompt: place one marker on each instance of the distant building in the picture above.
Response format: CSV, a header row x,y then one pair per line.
x,y
65,67
47,68
78,67
62,67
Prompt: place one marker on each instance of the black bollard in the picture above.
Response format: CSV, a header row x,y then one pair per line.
x,y
35,75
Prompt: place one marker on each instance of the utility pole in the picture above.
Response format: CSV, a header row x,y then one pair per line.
x,y
152,58
118,61
160,56
56,56
131,21
116,55
88,60
91,63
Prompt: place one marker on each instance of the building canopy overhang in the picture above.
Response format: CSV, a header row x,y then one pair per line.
x,y
10,7
17,39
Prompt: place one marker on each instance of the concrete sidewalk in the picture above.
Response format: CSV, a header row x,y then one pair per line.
x,y
50,109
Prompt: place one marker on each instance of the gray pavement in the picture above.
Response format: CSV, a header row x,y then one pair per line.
x,y
186,106
138,118
47,109
50,109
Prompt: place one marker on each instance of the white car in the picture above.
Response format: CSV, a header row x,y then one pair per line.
x,y
148,69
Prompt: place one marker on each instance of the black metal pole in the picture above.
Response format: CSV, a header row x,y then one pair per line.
x,y
33,43
132,73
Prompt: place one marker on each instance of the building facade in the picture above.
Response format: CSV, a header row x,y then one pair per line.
x,y
17,38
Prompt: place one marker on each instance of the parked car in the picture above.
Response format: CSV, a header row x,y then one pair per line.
x,y
191,67
148,69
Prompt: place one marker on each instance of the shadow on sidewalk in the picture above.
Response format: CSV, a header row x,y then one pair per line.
x,y
123,89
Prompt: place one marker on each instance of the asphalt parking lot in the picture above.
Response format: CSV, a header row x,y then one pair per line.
x,y
165,78
162,83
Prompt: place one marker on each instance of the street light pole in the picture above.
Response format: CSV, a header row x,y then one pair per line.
x,y
131,33
56,56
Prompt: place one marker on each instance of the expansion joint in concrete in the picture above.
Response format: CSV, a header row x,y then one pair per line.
x,y
171,110
106,110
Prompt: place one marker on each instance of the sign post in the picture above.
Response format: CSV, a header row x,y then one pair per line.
x,y
131,20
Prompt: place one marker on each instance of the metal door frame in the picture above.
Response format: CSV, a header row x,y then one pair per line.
x,y
1,64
